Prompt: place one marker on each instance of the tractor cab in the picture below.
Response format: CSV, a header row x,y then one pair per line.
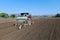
x,y
24,14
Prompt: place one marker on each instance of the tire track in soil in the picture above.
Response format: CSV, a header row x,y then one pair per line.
x,y
21,35
52,32
44,30
14,33
9,28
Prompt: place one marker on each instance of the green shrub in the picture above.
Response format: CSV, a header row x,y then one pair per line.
x,y
57,15
4,15
13,15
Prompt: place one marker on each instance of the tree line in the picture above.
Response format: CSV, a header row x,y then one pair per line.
x,y
5,15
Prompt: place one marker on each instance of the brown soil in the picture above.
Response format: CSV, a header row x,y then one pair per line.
x,y
42,29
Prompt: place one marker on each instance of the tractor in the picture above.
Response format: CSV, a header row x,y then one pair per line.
x,y
25,19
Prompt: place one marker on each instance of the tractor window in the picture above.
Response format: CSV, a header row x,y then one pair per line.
x,y
22,14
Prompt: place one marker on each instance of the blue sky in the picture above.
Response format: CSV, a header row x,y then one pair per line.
x,y
34,7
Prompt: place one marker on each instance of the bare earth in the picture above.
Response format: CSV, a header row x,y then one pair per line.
x,y
42,29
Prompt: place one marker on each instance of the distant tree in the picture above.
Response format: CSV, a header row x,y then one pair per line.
x,y
4,15
57,15
13,15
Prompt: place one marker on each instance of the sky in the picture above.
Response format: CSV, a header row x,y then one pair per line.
x,y
34,7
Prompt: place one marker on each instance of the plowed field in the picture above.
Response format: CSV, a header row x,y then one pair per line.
x,y
42,29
